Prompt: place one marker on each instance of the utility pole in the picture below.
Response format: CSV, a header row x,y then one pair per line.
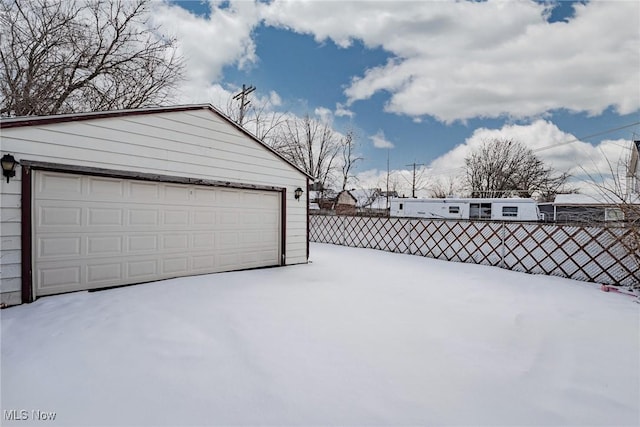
x,y
413,184
244,103
388,179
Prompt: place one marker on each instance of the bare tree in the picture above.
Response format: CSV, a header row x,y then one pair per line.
x,y
262,118
618,187
391,184
504,168
418,180
310,144
61,56
349,158
265,122
444,187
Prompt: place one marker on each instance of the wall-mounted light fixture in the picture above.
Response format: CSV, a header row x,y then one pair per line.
x,y
8,166
298,193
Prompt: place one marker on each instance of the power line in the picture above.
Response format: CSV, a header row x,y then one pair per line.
x,y
571,141
437,171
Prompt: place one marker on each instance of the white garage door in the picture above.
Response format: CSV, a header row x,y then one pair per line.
x,y
93,232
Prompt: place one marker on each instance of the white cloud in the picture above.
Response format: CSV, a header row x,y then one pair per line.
x,y
561,150
274,98
324,114
461,60
379,140
342,111
208,44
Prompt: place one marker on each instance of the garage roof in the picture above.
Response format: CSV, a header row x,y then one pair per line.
x,y
13,122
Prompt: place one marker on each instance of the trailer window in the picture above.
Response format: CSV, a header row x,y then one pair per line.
x,y
454,209
510,211
480,211
613,214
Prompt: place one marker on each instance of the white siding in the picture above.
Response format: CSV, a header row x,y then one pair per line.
x,y
194,144
10,216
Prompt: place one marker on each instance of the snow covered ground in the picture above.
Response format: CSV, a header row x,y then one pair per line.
x,y
356,337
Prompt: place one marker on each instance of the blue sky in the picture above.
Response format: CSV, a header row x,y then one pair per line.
x,y
432,79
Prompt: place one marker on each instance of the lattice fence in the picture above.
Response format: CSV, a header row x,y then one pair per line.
x,y
594,254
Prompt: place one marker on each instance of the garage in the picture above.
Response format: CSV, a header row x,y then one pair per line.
x,y
94,232
117,198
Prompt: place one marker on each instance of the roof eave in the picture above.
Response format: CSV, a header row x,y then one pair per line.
x,y
24,121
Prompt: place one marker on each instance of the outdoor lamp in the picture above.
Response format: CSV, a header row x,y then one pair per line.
x,y
296,193
8,166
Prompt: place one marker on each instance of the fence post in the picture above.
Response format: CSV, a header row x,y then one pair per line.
x,y
412,228
503,248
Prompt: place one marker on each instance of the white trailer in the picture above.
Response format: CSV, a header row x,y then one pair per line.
x,y
506,209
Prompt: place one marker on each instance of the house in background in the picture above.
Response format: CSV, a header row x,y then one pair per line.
x,y
346,203
569,208
365,202
114,198
600,208
323,200
373,201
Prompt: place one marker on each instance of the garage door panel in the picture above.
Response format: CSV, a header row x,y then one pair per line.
x,y
268,255
100,217
100,273
142,243
59,216
176,217
204,217
203,195
268,237
204,241
56,278
142,192
178,266
141,269
177,193
203,263
252,218
101,245
59,246
143,217
228,218
228,198
56,185
175,242
98,232
228,260
106,188
249,238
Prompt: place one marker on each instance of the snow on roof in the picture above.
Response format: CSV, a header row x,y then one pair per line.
x,y
23,121
588,199
372,198
379,202
328,194
578,199
464,200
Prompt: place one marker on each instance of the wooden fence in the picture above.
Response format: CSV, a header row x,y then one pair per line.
x,y
594,254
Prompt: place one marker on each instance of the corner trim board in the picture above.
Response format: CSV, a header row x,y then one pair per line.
x,y
26,236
